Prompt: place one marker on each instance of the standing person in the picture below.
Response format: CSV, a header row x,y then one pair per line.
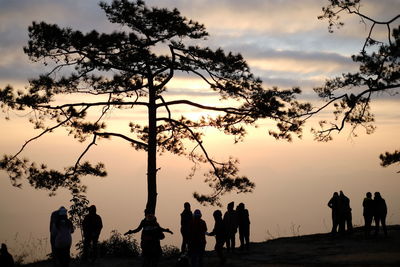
x,y
63,239
53,219
334,205
380,213
345,213
219,232
244,226
197,241
368,212
152,233
230,220
186,218
91,226
6,259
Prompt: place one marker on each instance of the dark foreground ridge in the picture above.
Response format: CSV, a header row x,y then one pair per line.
x,y
315,249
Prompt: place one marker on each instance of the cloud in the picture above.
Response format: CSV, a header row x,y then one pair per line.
x,y
283,41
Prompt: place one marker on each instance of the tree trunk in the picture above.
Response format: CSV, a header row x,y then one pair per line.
x,y
152,153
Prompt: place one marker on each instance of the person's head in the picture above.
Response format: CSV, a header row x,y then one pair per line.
x,y
186,206
341,193
240,206
369,195
231,205
217,215
3,247
92,209
62,211
148,215
197,214
377,195
335,194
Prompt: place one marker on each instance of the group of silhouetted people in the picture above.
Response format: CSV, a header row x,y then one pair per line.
x,y
194,231
61,229
373,209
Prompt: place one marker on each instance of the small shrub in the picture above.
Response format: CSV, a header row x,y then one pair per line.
x,y
119,246
169,251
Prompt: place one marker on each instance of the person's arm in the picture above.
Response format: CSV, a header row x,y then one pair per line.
x,y
212,233
100,224
330,203
135,230
166,230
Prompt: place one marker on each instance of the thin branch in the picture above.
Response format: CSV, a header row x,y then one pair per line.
x,y
106,134
199,143
112,103
85,151
42,133
230,110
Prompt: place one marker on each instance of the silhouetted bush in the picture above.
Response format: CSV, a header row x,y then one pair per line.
x,y
170,251
119,246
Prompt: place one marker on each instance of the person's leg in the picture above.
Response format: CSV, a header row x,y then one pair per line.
x,y
366,225
247,237
233,241
95,248
241,237
349,222
341,223
86,248
377,219
383,221
219,250
334,223
228,243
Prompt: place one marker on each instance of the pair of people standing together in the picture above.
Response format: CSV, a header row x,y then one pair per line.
x,y
374,209
61,229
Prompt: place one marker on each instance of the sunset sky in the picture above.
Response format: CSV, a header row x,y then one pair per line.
x,y
285,45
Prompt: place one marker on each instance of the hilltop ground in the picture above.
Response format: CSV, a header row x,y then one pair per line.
x,y
316,249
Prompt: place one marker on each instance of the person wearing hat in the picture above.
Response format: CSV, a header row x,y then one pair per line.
x,y
197,241
63,238
152,233
53,220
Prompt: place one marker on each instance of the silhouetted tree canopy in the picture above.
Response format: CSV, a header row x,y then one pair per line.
x,y
378,74
128,69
